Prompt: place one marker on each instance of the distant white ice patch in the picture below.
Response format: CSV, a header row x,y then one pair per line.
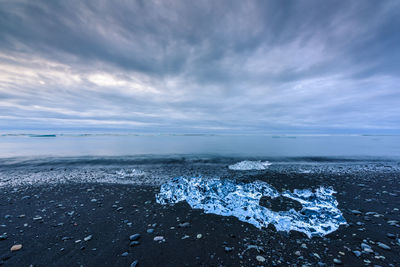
x,y
247,165
130,173
319,215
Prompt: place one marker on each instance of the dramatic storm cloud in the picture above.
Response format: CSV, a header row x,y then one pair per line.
x,y
200,66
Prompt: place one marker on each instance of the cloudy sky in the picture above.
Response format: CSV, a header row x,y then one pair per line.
x,y
200,66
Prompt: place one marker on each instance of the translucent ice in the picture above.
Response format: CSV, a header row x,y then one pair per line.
x,y
319,214
130,173
247,165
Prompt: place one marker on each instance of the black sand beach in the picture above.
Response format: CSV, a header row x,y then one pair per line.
x,y
90,224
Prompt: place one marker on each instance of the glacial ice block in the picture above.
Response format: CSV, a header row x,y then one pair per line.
x,y
319,215
247,165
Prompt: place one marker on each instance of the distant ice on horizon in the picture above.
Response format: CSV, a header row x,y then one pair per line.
x,y
248,165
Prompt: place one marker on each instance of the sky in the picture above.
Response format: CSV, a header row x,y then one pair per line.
x,y
200,66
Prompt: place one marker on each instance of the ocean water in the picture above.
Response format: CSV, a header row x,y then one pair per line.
x,y
270,146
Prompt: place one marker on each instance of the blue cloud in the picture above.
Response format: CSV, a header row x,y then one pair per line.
x,y
204,66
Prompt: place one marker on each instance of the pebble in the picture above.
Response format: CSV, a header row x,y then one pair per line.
x,y
159,238
199,236
184,225
150,231
135,263
357,253
16,247
356,212
120,208
3,236
124,254
37,218
391,236
89,237
337,261
228,249
260,258
134,237
134,243
384,246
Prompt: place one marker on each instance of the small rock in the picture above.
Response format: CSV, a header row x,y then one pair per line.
x,y
384,246
134,237
228,249
150,231
356,212
89,237
16,247
199,236
391,236
120,208
159,238
135,263
297,253
124,254
37,218
260,258
134,243
337,261
357,253
3,236
184,225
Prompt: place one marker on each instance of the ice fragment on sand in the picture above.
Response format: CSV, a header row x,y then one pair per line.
x,y
319,215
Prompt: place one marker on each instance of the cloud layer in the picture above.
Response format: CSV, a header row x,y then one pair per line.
x,y
200,66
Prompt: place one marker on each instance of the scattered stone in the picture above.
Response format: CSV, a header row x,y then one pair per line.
x,y
3,236
228,249
134,237
37,218
356,212
16,247
357,253
150,231
135,263
124,254
297,253
134,243
391,236
260,258
120,208
89,237
199,236
159,238
384,246
184,225
337,261
304,246
185,236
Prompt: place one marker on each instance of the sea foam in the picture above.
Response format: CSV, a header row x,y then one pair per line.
x,y
319,215
247,165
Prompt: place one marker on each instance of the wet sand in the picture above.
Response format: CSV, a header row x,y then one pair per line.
x,y
52,221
